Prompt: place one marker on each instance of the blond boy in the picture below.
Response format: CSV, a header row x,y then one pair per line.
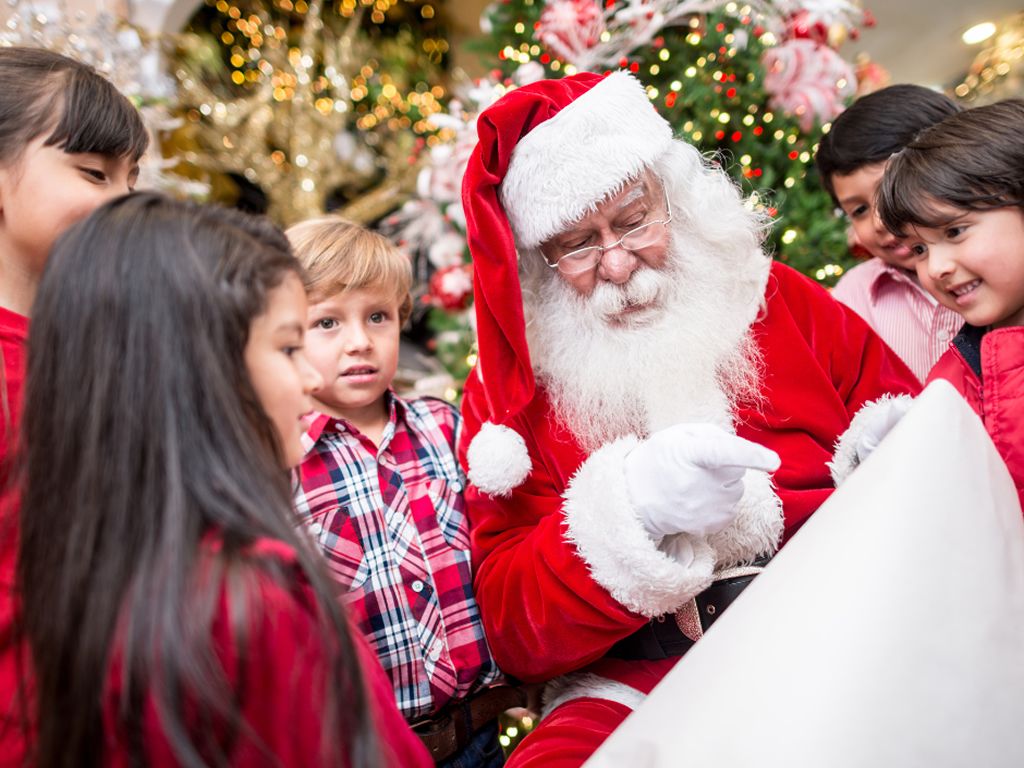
x,y
381,493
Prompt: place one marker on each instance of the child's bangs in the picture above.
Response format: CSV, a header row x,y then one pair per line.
x,y
97,119
911,196
368,263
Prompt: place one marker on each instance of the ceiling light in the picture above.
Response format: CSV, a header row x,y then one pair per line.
x,y
979,33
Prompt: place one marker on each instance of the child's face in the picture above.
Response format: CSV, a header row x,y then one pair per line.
x,y
281,375
856,195
975,264
352,339
47,190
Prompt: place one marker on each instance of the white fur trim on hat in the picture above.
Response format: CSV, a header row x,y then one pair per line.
x,y
757,527
566,165
647,579
498,459
845,458
587,685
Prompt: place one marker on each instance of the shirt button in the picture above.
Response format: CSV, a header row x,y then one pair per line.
x,y
417,586
435,651
943,334
316,528
339,424
457,486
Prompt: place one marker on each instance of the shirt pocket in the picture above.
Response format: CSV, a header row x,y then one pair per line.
x,y
337,536
450,508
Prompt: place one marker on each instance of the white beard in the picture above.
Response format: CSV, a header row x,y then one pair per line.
x,y
690,360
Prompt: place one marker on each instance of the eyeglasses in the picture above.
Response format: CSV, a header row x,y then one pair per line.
x,y
584,259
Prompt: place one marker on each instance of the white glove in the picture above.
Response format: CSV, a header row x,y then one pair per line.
x,y
884,415
689,478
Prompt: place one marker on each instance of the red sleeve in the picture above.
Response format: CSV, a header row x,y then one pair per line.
x,y
284,690
861,366
285,697
13,333
544,615
822,363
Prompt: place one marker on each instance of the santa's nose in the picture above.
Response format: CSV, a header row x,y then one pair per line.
x,y
617,265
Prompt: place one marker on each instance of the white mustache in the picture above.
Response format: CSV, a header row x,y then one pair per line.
x,y
644,287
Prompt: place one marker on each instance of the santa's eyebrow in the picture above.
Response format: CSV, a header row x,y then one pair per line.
x,y
632,195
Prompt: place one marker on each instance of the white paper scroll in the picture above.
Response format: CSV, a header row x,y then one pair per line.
x,y
888,632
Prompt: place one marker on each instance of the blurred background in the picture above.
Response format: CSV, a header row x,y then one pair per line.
x,y
367,108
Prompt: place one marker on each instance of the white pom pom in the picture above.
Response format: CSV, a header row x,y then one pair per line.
x,y
498,460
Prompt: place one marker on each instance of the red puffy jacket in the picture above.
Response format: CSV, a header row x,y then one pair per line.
x,y
987,368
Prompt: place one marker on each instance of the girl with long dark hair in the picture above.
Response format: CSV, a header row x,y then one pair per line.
x,y
69,141
173,614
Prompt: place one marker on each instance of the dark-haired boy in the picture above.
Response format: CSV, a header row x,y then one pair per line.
x,y
884,290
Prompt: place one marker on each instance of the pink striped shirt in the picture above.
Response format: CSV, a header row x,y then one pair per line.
x,y
908,319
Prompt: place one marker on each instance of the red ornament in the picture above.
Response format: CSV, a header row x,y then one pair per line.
x,y
736,136
801,27
569,28
451,288
731,93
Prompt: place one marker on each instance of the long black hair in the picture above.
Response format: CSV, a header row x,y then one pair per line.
x,y
143,435
971,161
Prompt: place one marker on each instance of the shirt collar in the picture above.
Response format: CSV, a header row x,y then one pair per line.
x,y
887,273
323,422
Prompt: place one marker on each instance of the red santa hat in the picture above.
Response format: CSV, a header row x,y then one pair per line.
x,y
548,153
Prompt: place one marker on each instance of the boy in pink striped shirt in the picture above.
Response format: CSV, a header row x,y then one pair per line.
x,y
885,290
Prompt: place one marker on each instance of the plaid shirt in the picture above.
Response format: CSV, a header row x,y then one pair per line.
x,y
392,524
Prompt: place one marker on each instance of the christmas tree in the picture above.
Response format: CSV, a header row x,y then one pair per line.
x,y
314,105
754,85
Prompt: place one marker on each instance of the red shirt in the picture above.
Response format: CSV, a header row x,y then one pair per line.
x,y
286,670
13,334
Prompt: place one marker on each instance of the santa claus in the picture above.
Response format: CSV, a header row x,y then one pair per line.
x,y
657,404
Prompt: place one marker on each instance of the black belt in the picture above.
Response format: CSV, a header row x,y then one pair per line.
x,y
451,729
673,635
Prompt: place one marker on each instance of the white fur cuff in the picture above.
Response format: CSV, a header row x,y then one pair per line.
x,y
498,460
846,458
586,685
621,556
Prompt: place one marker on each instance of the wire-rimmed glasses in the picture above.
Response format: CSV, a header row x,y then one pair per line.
x,y
584,259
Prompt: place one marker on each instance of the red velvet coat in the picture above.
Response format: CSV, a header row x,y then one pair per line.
x,y
544,611
997,395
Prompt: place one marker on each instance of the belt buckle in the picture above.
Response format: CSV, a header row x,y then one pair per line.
x,y
437,734
431,725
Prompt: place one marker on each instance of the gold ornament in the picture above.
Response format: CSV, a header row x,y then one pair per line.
x,y
295,130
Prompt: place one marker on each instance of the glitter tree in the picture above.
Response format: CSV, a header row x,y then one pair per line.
x,y
317,104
